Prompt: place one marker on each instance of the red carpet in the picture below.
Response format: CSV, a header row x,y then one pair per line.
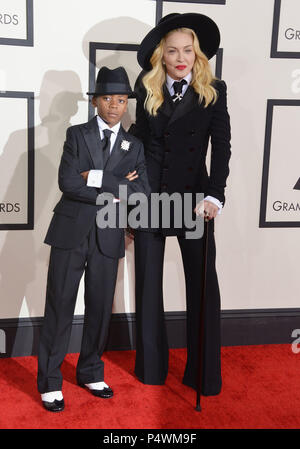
x,y
261,389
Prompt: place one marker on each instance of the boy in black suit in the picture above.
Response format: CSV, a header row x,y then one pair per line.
x,y
99,156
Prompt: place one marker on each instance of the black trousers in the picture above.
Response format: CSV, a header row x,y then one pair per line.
x,y
151,366
66,268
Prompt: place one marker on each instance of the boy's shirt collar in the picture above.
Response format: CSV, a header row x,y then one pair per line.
x,y
103,125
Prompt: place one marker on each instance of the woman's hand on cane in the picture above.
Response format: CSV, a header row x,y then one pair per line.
x,y
206,209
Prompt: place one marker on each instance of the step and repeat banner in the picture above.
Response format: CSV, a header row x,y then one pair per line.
x,y
50,52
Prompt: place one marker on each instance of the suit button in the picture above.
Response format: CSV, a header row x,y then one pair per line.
x,y
190,169
167,150
164,186
188,187
192,132
166,134
191,150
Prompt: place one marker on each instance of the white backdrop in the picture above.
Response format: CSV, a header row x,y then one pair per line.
x,y
257,266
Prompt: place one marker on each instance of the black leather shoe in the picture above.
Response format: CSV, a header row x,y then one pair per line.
x,y
54,406
105,393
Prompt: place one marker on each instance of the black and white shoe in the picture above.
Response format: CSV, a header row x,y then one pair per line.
x,y
99,389
53,401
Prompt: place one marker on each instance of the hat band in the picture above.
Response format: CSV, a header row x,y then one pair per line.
x,y
112,87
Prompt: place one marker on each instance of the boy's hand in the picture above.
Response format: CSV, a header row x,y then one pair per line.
x,y
85,174
132,176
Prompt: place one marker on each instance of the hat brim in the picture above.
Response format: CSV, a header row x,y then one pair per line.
x,y
205,28
130,94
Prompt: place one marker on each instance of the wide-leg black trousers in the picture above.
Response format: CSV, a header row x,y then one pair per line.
x,y
151,366
66,268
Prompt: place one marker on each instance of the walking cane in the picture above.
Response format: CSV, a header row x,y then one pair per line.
x,y
202,311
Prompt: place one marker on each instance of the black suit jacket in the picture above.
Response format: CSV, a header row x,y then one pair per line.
x,y
176,142
76,211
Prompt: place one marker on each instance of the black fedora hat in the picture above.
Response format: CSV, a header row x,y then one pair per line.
x,y
205,28
112,82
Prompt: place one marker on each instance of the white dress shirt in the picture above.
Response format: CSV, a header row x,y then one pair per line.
x,y
188,78
95,176
170,82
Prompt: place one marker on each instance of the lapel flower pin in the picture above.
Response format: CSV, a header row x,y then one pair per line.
x,y
125,145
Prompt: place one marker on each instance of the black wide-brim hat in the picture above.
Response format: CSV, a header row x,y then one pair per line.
x,y
205,28
112,82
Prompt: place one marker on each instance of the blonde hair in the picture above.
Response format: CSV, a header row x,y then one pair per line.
x,y
201,82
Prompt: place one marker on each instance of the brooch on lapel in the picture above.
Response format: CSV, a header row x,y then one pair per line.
x,y
125,145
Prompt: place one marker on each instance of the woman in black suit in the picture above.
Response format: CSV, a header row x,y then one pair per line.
x,y
175,123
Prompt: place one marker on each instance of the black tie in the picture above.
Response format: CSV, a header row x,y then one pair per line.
x,y
106,145
177,86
